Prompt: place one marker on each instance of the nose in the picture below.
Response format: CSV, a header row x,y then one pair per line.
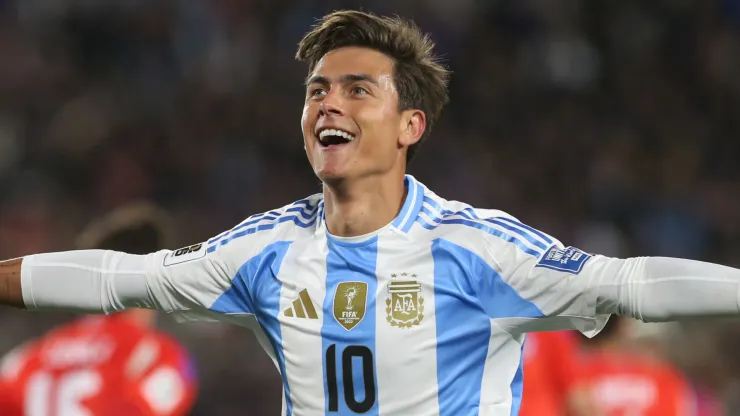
x,y
330,105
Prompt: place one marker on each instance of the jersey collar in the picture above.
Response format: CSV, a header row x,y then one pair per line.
x,y
411,207
409,211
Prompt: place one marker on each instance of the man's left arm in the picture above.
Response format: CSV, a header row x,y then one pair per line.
x,y
574,289
656,289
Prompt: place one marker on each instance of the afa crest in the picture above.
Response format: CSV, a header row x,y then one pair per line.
x,y
404,305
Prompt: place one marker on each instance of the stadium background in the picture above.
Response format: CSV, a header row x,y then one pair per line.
x,y
612,124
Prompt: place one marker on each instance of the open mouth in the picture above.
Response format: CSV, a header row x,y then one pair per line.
x,y
334,137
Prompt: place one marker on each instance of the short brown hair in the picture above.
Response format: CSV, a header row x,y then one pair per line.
x,y
421,81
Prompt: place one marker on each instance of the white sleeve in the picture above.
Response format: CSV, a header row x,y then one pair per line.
x,y
659,289
577,290
102,281
558,282
87,281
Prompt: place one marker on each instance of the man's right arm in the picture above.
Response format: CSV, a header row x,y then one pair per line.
x,y
10,283
85,281
105,281
187,282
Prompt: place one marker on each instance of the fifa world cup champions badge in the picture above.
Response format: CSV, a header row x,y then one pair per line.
x,y
350,301
404,305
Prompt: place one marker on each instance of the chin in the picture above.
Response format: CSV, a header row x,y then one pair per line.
x,y
331,176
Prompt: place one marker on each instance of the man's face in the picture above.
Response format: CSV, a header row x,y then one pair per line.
x,y
351,123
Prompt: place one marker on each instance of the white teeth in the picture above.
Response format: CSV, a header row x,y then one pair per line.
x,y
335,132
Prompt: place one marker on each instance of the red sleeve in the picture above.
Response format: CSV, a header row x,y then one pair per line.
x,y
167,388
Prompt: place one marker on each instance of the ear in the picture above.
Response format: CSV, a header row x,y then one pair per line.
x,y
413,124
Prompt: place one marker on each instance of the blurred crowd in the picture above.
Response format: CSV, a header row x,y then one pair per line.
x,y
613,125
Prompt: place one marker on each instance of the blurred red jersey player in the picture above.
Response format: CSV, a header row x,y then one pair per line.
x,y
104,366
7,399
550,389
625,379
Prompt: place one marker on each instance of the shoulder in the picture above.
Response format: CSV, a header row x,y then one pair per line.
x,y
490,233
301,214
255,233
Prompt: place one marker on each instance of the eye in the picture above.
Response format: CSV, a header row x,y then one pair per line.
x,y
315,92
357,90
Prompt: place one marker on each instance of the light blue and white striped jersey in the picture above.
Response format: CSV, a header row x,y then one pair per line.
x,y
425,317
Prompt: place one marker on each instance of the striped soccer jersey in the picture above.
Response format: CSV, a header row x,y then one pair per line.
x,y
425,317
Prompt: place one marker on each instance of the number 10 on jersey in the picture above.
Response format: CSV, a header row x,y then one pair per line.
x,y
349,353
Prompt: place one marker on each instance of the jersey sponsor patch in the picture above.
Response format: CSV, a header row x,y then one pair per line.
x,y
185,254
569,259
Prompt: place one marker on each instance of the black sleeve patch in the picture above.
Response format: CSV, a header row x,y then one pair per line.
x,y
185,254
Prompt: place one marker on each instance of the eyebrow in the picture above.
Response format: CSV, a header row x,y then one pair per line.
x,y
344,79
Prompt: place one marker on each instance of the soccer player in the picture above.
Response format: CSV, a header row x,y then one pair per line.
x,y
551,387
378,296
108,366
624,380
9,404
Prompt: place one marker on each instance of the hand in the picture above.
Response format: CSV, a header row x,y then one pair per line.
x,y
10,283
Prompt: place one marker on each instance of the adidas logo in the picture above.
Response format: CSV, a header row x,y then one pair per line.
x,y
302,307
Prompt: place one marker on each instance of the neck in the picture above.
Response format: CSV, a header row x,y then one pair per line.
x,y
364,205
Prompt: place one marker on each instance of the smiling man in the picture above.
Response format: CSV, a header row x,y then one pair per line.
x,y
377,296
372,94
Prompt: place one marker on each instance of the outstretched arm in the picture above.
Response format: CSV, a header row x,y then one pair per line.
x,y
577,290
10,283
557,287
664,289
87,281
103,281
